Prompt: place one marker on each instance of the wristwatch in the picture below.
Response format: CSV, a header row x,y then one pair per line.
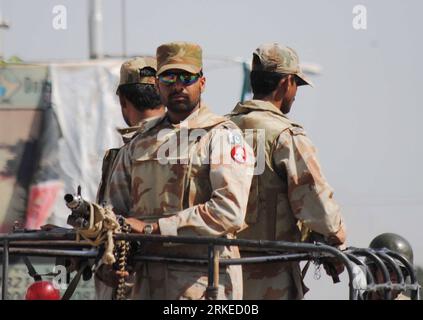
x,y
148,229
125,227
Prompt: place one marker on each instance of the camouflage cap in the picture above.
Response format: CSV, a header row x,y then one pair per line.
x,y
130,70
179,55
274,57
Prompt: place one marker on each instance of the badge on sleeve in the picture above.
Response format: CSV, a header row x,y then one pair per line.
x,y
238,154
234,137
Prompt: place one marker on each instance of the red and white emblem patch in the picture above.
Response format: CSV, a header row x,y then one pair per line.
x,y
238,154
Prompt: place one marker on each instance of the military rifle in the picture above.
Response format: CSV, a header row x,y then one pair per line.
x,y
80,210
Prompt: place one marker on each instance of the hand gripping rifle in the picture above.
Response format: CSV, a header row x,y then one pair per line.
x,y
314,237
80,220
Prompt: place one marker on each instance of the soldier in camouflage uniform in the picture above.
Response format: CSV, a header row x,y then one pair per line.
x,y
139,103
291,191
185,174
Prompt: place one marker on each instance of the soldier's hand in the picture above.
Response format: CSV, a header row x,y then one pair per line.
x,y
333,268
48,227
337,239
137,226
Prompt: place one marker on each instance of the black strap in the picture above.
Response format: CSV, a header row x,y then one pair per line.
x,y
74,283
31,269
107,166
305,269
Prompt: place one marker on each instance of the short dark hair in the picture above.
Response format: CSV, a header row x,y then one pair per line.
x,y
142,96
264,82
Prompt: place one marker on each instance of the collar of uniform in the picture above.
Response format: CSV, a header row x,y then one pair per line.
x,y
200,119
143,126
187,120
127,133
149,123
256,105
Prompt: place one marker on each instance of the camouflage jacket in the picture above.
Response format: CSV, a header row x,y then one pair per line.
x,y
111,159
291,189
191,178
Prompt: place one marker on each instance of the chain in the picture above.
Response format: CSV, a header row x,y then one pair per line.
x,y
123,248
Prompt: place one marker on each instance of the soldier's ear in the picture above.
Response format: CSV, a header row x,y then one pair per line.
x,y
283,83
122,101
202,84
281,88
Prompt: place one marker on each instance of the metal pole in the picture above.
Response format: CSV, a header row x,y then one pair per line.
x,y
415,293
369,277
390,261
34,252
123,28
5,269
96,31
211,291
216,256
278,245
3,25
379,263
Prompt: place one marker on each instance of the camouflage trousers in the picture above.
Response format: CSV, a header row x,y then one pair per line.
x,y
165,281
272,281
183,282
102,291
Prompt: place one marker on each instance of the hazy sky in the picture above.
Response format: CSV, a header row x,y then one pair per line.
x,y
363,115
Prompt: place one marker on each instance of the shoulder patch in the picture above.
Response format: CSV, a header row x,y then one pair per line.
x,y
239,154
234,137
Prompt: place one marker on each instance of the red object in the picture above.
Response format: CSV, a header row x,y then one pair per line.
x,y
42,290
238,154
42,197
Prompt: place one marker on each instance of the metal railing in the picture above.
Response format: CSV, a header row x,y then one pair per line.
x,y
63,244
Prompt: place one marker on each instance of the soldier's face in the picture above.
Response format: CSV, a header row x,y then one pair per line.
x,y
184,94
124,108
290,93
378,295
